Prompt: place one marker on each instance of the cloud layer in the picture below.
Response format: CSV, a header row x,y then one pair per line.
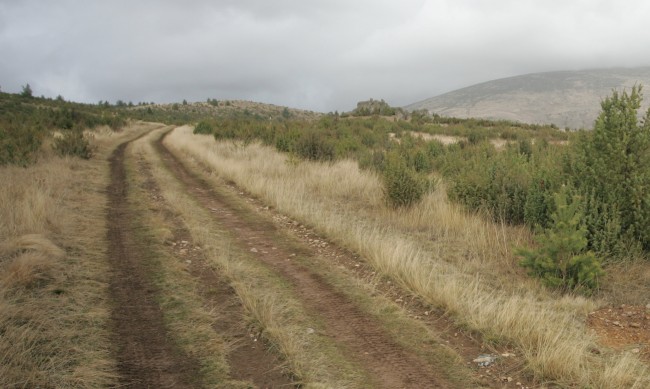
x,y
319,55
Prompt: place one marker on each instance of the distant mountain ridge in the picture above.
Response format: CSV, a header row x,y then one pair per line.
x,y
564,98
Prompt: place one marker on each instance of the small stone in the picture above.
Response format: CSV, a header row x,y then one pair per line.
x,y
310,331
188,261
506,355
647,306
485,360
617,323
635,325
635,351
253,250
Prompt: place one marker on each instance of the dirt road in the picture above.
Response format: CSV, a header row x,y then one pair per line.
x,y
146,358
362,337
148,353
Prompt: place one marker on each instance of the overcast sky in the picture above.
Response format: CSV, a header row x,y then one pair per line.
x,y
322,55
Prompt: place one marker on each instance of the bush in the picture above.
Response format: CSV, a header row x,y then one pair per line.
x,y
561,260
403,187
314,146
204,127
18,143
73,143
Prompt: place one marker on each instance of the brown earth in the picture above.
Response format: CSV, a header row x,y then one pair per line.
x,y
389,364
247,357
146,358
623,328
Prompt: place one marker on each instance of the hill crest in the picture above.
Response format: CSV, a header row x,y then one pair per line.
x,y
564,98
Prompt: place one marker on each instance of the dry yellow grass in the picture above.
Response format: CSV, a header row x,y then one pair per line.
x,y
53,303
449,258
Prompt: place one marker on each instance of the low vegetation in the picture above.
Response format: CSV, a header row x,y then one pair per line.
x,y
27,122
455,211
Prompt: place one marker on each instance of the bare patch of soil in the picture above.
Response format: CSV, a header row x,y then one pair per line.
x,y
146,357
360,336
248,358
625,328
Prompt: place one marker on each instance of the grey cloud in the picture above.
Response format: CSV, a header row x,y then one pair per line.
x,y
320,55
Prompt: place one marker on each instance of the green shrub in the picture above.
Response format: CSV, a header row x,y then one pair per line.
x,y
18,143
403,187
314,146
561,260
204,127
74,143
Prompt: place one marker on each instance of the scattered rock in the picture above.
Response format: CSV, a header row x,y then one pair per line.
x,y
635,351
635,325
253,250
506,355
485,359
310,331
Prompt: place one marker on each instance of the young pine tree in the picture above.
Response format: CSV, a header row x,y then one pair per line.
x,y
561,260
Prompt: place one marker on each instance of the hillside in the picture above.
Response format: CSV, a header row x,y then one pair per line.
x,y
564,98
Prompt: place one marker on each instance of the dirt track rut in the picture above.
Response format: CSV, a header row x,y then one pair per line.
x,y
365,341
146,357
247,358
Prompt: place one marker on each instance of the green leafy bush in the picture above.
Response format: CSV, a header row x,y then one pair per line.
x,y
314,146
561,260
403,187
204,127
18,143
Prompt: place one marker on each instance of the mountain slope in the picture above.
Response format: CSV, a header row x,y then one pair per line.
x,y
565,98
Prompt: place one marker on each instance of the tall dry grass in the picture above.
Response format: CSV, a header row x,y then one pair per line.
x,y
53,271
451,259
51,333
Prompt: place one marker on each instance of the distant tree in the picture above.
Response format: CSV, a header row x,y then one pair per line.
x,y
27,91
285,113
60,98
184,102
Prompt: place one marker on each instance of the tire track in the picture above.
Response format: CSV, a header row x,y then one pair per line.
x,y
365,341
248,359
146,357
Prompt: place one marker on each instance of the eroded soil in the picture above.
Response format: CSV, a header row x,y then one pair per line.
x,y
624,328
